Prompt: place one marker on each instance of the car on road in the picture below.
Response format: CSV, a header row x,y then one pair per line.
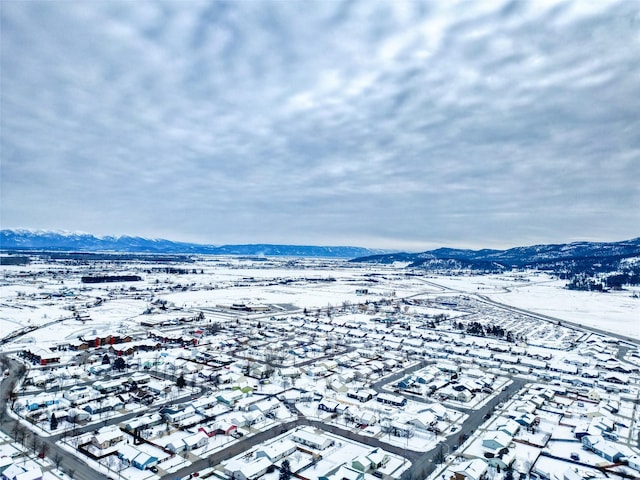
x,y
575,456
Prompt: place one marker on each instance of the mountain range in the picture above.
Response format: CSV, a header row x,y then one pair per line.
x,y
568,259
588,257
32,240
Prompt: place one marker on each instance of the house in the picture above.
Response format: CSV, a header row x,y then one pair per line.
x,y
634,462
290,397
463,396
366,418
389,399
78,344
397,429
459,394
339,387
266,407
18,472
107,437
127,453
176,446
615,377
177,415
576,474
309,437
361,463
329,364
203,403
406,383
144,461
330,407
277,450
290,372
140,378
316,371
195,441
496,440
5,462
343,472
252,417
110,386
218,429
103,405
604,448
229,397
79,393
362,395
136,458
438,410
525,420
423,421
143,397
471,470
41,356
508,426
500,458
241,470
378,458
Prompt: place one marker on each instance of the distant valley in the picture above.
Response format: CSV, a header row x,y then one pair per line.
x,y
585,265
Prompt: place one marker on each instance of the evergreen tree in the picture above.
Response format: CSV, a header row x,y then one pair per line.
x,y
54,422
285,470
119,364
181,382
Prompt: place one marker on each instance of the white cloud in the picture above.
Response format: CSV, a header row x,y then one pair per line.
x,y
465,123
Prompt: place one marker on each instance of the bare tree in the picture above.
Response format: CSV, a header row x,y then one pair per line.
x,y
44,449
35,443
438,457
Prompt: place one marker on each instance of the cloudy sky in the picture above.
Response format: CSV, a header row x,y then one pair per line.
x,y
391,124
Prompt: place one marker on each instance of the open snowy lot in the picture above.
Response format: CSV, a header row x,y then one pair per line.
x,y
613,311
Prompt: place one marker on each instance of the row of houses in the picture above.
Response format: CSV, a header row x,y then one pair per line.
x,y
14,471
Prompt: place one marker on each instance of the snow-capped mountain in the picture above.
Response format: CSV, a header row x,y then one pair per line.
x,y
21,239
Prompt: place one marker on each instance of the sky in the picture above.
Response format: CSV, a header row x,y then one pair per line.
x,y
389,124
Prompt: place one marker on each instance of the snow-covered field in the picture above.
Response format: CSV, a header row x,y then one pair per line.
x,y
615,311
41,294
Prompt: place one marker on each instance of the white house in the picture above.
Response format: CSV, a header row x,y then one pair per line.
x,y
241,470
470,470
277,450
309,437
195,441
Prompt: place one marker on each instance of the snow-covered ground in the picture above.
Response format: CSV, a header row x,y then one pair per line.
x,y
613,311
